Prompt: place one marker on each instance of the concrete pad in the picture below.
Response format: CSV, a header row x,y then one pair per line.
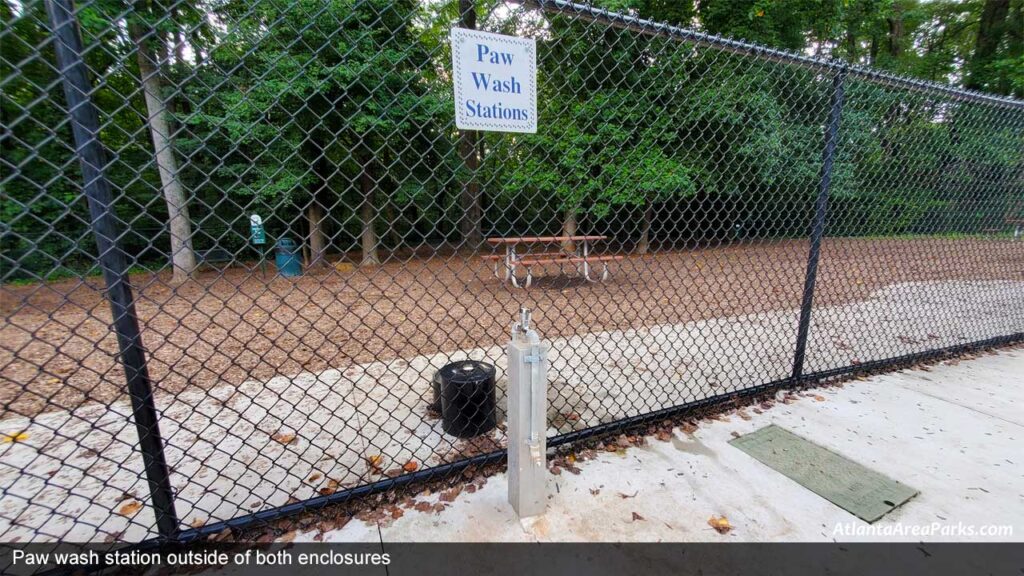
x,y
982,389
966,463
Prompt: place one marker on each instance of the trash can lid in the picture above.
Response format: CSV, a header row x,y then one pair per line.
x,y
466,372
285,241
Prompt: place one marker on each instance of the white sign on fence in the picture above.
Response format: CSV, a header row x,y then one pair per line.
x,y
495,81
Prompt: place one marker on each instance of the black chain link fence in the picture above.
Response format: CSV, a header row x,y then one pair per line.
x,y
723,185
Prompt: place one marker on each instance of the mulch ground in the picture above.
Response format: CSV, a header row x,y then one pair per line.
x,y
56,351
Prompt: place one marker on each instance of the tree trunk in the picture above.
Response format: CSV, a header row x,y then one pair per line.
x,y
317,245
470,201
645,231
315,211
990,34
391,220
183,259
852,47
368,213
895,38
569,229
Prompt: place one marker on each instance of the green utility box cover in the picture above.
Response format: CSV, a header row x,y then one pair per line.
x,y
860,491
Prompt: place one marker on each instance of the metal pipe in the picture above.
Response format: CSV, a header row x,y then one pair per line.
x,y
92,160
818,224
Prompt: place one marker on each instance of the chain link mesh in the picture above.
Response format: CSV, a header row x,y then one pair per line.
x,y
695,163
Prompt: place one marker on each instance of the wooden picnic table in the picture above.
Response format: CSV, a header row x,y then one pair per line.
x,y
581,258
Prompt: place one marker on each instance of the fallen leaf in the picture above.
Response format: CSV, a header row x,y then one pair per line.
x,y
450,495
735,434
198,523
556,470
130,508
637,517
595,491
664,435
16,437
720,524
411,466
331,488
313,477
397,512
743,414
284,438
624,496
819,398
288,537
423,506
376,461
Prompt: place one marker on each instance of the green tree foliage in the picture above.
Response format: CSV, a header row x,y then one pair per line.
x,y
333,120
290,111
615,132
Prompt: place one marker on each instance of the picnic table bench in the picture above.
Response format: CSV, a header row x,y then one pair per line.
x,y
213,256
582,259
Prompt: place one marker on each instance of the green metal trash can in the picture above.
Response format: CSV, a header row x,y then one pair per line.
x,y
287,258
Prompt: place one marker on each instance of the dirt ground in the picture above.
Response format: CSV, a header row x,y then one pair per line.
x,y
56,351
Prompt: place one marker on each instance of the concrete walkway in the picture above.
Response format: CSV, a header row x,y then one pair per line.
x,y
953,431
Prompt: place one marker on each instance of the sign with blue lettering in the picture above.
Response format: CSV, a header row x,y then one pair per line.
x,y
495,81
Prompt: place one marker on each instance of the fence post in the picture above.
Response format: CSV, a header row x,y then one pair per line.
x,y
93,161
818,224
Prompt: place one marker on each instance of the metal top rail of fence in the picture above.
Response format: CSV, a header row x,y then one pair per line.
x,y
240,239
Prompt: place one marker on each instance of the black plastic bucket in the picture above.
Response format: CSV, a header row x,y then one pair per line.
x,y
468,404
